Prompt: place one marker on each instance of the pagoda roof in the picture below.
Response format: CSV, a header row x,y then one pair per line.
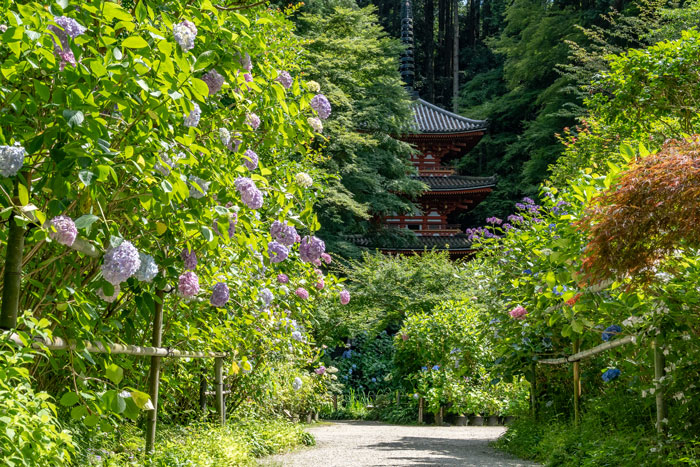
x,y
430,118
456,182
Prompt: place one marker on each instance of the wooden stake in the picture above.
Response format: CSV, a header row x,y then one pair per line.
x,y
219,387
12,280
335,402
420,410
203,392
659,373
154,376
533,390
577,385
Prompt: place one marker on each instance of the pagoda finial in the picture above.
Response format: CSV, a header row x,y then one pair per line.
x,y
407,66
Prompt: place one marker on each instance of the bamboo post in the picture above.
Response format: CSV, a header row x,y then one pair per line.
x,y
203,392
219,388
420,410
335,402
659,373
154,377
12,279
577,385
398,397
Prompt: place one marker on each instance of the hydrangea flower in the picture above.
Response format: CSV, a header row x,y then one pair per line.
x,y
246,62
250,159
320,370
109,298
326,258
185,34
516,219
518,312
11,159
62,49
70,26
251,196
313,86
494,220
610,332
225,137
284,78
277,252
63,230
188,284
3,28
232,225
436,367
267,296
192,120
320,284
219,294
248,78
148,268
344,297
282,278
203,185
321,105
311,248
303,179
252,120
315,123
302,293
297,383
214,81
284,233
296,335
416,396
610,374
190,258
164,167
120,263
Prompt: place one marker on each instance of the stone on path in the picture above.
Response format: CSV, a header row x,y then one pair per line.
x,y
357,443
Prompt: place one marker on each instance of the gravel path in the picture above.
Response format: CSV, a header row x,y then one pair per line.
x,y
351,443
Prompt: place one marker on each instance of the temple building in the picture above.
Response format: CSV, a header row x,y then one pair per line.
x,y
439,136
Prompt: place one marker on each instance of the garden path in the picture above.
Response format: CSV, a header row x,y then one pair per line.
x,y
369,444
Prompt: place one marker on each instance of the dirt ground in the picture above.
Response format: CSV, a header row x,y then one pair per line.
x,y
352,443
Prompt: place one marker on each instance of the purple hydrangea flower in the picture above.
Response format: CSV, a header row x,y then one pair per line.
x,y
285,79
320,284
267,296
296,335
494,220
120,263
252,120
284,233
246,62
251,196
321,105
277,252
326,258
63,230
219,294
109,298
232,225
190,258
344,297
282,278
248,77
302,293
62,51
188,284
11,159
214,81
185,34
250,159
311,248
148,268
528,201
70,26
320,370
515,218
192,120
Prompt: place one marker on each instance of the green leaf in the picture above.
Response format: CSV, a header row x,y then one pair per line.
x,y
42,90
140,398
91,420
23,194
134,42
118,404
113,10
85,221
207,233
69,399
86,177
114,373
78,412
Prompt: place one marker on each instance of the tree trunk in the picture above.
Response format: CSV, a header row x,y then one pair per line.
x,y
13,275
154,377
455,58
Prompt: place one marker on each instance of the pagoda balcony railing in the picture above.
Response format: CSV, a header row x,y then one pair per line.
x,y
444,227
437,171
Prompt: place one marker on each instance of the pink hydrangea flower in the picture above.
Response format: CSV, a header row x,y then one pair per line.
x,y
518,312
320,284
302,293
252,120
326,258
282,278
344,297
320,370
188,284
63,230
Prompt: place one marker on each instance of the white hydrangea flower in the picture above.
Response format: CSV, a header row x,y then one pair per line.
x,y
304,180
313,86
11,159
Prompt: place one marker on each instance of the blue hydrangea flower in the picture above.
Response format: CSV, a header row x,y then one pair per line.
x,y
610,374
610,332
11,159
436,367
120,263
277,252
321,105
284,233
148,268
219,295
250,159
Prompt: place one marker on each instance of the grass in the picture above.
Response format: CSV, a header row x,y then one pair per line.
x,y
238,443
